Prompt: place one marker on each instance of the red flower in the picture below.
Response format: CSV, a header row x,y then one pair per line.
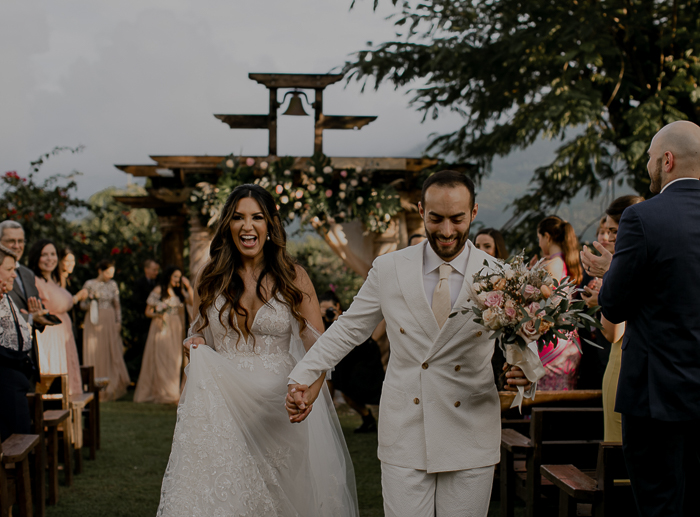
x,y
12,211
29,215
12,174
84,259
126,250
115,251
47,216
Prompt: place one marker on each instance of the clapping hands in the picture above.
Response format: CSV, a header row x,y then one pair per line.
x,y
593,265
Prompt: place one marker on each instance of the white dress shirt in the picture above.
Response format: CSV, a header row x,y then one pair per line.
x,y
672,182
431,275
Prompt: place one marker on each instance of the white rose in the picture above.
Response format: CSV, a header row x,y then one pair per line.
x,y
229,163
264,165
510,274
327,169
491,319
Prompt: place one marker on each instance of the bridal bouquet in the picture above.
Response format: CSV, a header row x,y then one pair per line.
x,y
526,309
159,310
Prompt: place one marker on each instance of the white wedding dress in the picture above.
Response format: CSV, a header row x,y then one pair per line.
x,y
234,451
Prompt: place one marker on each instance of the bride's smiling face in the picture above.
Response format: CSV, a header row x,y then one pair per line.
x,y
249,228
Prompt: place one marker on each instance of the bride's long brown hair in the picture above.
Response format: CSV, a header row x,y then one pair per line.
x,y
220,276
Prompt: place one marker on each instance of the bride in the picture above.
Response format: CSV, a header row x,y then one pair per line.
x,y
234,449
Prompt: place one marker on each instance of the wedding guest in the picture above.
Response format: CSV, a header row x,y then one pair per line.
x,y
159,380
360,374
492,242
66,265
58,352
559,246
139,330
593,359
652,286
613,332
15,362
24,292
102,340
416,238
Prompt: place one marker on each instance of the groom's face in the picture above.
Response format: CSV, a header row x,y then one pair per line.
x,y
447,215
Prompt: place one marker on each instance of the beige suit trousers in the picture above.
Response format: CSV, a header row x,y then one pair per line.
x,y
415,493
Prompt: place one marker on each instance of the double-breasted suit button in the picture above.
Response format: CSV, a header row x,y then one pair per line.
x,y
458,368
458,403
402,330
424,366
478,334
416,400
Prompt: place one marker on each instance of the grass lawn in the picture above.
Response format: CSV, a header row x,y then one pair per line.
x,y
125,479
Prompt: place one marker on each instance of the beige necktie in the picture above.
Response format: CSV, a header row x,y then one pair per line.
x,y
442,302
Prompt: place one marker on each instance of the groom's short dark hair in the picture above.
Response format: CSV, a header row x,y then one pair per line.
x,y
448,179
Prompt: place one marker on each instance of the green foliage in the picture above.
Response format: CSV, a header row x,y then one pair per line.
x,y
601,76
318,195
326,269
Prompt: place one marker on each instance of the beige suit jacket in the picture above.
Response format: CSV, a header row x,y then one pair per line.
x,y
439,409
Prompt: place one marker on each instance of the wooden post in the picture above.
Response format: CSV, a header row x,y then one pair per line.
x,y
272,123
172,228
318,117
200,240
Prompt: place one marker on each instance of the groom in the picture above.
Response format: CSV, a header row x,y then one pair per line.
x,y
439,416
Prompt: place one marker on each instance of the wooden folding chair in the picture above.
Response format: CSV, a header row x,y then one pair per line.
x,y
91,411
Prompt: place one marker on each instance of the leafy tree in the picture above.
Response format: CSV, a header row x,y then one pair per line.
x,y
601,75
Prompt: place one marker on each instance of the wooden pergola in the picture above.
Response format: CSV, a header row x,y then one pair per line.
x,y
171,177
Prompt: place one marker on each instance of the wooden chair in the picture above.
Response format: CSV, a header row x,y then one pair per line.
x,y
36,411
15,481
608,494
91,411
557,436
45,423
56,395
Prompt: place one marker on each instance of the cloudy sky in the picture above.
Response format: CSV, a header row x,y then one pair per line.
x,y
133,78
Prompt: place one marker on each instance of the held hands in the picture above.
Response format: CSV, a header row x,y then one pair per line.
x,y
590,293
300,400
36,309
516,377
596,266
191,343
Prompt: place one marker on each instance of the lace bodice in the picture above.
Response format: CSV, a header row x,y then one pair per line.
x,y
106,294
8,330
268,341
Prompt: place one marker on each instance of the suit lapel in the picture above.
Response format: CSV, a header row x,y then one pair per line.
x,y
18,290
454,324
409,269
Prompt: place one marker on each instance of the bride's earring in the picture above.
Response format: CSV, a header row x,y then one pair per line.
x,y
268,236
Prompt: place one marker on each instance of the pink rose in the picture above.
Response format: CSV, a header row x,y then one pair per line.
x,y
531,291
494,299
510,313
528,331
250,162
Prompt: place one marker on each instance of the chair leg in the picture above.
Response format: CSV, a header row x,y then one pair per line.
x,y
567,505
24,488
4,494
92,431
78,460
53,465
67,456
39,478
97,419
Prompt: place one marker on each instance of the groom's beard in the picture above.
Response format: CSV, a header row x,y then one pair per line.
x,y
449,252
655,177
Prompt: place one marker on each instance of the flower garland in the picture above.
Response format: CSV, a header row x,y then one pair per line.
x,y
320,195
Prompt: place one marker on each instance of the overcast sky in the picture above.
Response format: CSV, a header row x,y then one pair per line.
x,y
133,78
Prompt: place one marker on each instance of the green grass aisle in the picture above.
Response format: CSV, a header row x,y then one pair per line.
x,y
125,479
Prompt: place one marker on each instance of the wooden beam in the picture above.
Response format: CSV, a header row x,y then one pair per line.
x,y
144,202
139,170
343,122
188,162
245,121
296,80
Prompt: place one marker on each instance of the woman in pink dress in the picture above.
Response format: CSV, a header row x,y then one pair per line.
x,y
58,352
559,245
159,380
